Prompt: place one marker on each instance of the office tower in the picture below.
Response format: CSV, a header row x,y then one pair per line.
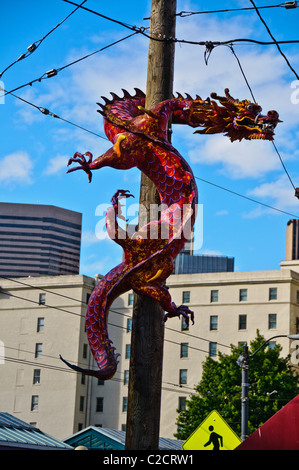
x,y
39,240
292,240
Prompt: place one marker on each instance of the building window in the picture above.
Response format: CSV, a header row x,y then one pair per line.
x,y
83,379
243,295
272,321
273,293
124,427
38,349
40,324
214,295
184,325
81,403
182,403
242,322
213,322
183,376
131,299
126,377
184,349
125,404
100,404
297,297
212,349
85,349
186,297
34,402
128,351
36,376
129,325
101,382
42,299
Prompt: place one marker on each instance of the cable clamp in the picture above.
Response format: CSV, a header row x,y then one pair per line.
x,y
32,47
51,73
289,5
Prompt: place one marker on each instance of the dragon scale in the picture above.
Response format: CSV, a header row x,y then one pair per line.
x,y
139,138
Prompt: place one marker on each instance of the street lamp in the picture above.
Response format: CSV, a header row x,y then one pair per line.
x,y
243,362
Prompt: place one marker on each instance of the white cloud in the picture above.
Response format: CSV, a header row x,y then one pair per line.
x,y
238,159
280,193
16,167
89,238
56,165
222,212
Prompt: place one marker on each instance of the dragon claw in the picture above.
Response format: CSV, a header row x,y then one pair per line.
x,y
84,164
181,310
120,194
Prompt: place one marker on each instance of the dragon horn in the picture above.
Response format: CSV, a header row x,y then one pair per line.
x,y
229,98
225,99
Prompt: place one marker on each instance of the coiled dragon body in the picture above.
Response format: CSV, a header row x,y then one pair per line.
x,y
140,139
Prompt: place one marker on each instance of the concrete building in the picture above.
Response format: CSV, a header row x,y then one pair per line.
x,y
43,317
39,240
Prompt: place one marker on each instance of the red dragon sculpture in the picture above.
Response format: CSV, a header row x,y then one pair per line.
x,y
139,138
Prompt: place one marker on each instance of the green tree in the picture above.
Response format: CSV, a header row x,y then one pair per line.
x,y
273,383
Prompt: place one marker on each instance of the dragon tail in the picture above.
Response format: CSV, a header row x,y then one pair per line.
x,y
96,328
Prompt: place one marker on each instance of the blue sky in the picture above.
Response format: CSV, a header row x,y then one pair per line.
x,y
35,148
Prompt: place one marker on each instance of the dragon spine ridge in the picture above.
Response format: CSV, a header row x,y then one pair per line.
x,y
139,138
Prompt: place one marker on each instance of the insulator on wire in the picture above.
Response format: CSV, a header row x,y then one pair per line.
x,y
32,47
51,73
289,5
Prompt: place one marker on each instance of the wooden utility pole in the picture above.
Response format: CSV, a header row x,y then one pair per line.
x,y
145,382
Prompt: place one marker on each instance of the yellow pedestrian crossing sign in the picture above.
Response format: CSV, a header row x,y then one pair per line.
x,y
212,434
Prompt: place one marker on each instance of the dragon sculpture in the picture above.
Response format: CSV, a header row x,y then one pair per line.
x,y
140,139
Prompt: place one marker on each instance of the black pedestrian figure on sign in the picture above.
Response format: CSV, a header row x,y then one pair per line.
x,y
215,439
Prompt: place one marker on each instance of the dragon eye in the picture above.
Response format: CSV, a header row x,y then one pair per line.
x,y
250,107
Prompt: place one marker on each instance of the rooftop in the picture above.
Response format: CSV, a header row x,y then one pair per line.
x,y
15,433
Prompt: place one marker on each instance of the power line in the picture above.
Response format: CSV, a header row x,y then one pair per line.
x,y
109,323
53,72
47,112
249,87
142,30
286,5
275,42
126,25
246,197
36,44
83,316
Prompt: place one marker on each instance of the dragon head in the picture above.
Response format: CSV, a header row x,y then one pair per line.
x,y
237,119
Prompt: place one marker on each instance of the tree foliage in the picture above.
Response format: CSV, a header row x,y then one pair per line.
x,y
273,383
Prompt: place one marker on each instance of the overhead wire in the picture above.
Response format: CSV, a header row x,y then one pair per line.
x,y
183,14
37,364
275,147
142,30
53,72
47,112
36,44
135,32
273,38
83,316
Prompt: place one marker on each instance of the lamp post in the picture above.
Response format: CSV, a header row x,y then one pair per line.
x,y
244,363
